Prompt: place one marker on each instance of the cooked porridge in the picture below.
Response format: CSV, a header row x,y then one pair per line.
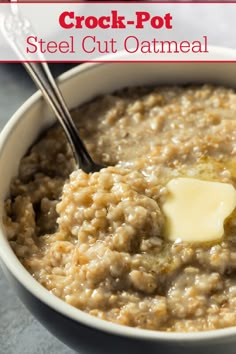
x,y
97,241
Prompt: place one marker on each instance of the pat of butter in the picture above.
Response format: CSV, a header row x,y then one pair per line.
x,y
195,210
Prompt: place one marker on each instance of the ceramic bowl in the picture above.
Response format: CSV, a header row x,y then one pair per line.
x,y
82,332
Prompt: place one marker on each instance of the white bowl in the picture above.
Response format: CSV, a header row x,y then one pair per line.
x,y
79,330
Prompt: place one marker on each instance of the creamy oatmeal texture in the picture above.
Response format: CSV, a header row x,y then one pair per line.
x,y
97,240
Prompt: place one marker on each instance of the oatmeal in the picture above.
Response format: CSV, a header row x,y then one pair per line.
x,y
97,240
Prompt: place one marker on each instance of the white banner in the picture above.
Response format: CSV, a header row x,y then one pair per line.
x,y
76,32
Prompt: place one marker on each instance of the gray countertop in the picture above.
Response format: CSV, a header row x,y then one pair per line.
x,y
20,333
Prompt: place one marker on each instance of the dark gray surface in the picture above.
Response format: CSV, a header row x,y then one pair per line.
x,y
20,333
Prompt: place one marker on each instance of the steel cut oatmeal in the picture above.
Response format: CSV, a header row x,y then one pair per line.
x,y
97,241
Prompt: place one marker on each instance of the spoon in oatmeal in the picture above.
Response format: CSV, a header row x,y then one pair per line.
x,y
41,75
15,29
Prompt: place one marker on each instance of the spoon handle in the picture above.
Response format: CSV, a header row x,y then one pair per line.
x,y
15,29
43,78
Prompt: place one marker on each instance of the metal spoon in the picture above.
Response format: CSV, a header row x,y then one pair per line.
x,y
15,29
43,78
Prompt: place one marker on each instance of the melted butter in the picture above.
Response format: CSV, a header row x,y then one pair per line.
x,y
195,210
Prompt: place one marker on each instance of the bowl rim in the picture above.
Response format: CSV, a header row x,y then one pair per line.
x,y
36,289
